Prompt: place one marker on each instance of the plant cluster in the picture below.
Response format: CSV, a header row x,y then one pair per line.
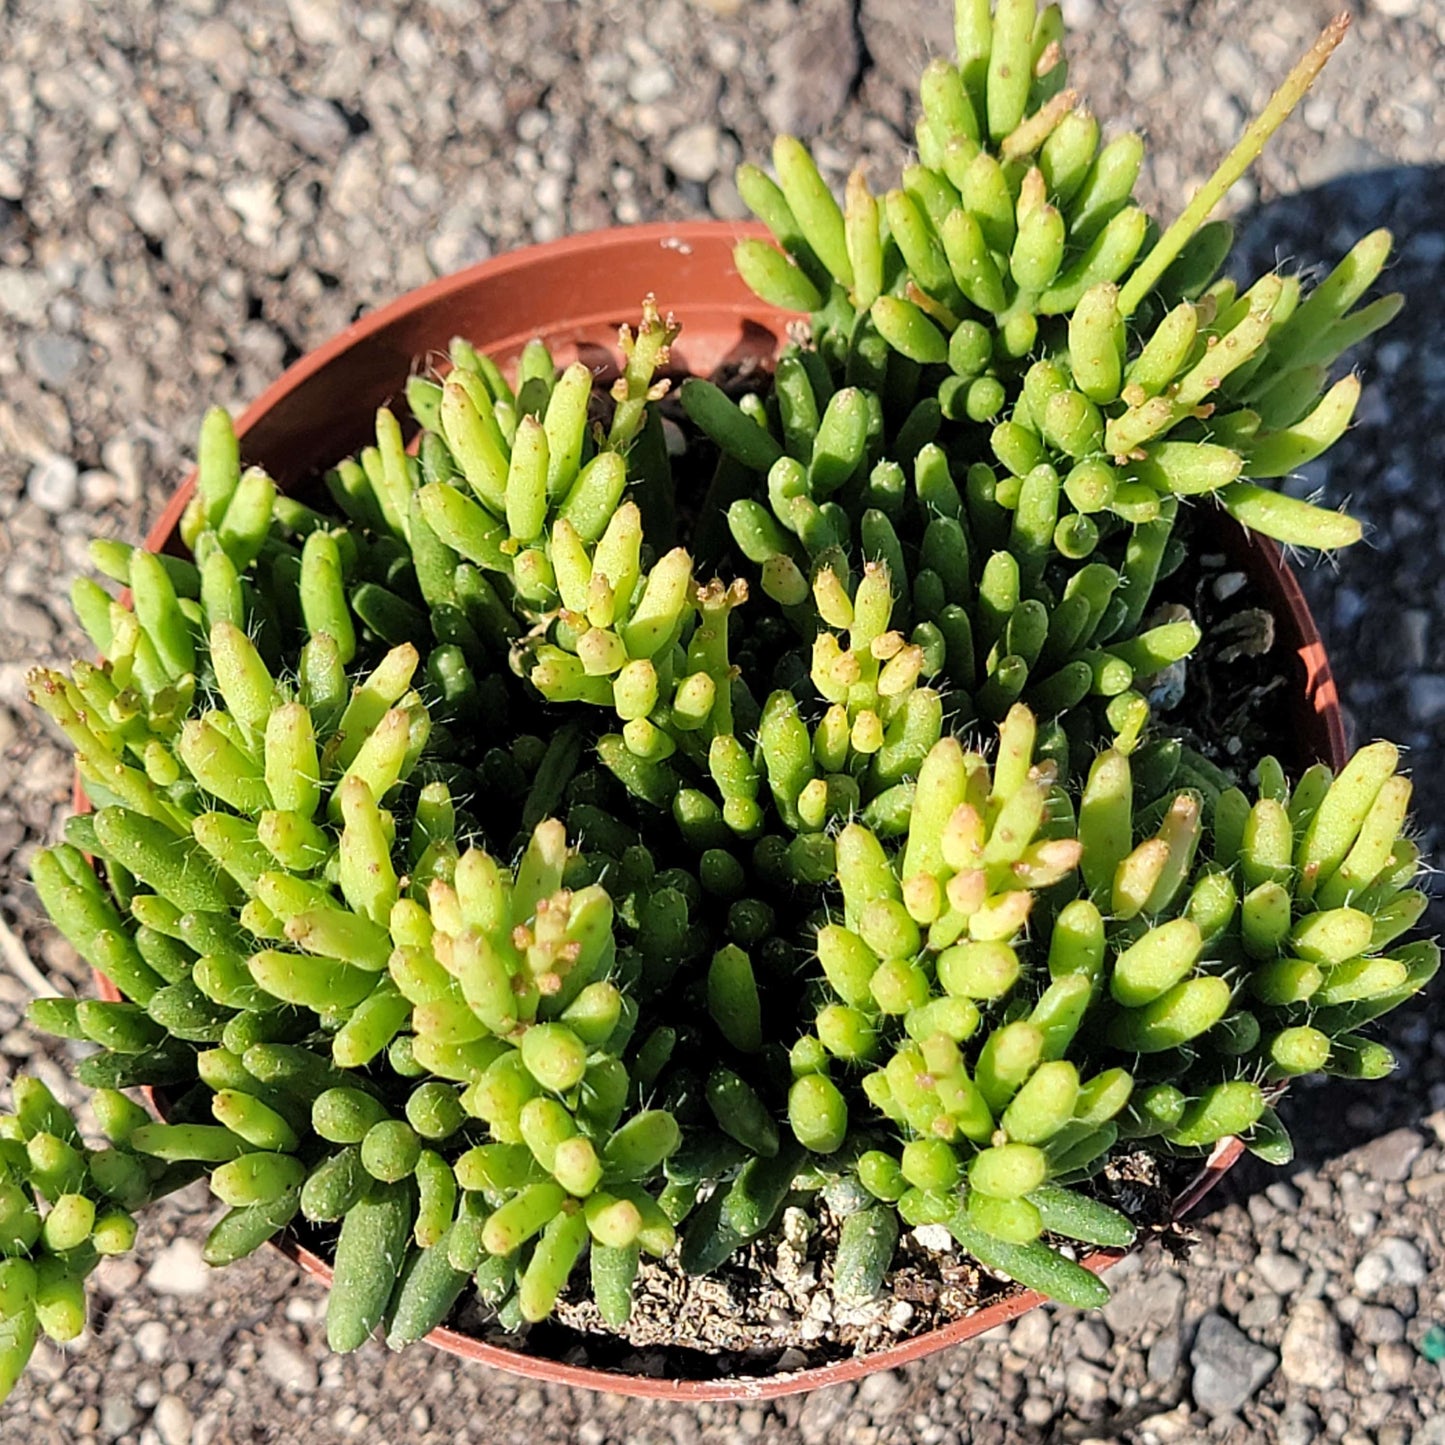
x,y
488,886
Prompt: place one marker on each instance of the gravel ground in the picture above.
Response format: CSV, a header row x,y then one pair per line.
x,y
192,195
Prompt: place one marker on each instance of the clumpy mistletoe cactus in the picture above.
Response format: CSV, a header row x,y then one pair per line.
x,y
88,1197
523,854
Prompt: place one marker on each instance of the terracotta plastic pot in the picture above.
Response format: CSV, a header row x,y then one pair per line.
x,y
575,293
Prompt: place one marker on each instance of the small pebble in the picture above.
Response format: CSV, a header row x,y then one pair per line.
x,y
179,1269
1379,1325
1395,1363
694,154
1037,1411
287,1365
650,84
1300,1424
152,1340
173,1420
54,359
1388,1158
1093,1339
117,1414
1393,1261
53,484
1086,1386
1310,1353
1228,1366
1030,1334
1283,1273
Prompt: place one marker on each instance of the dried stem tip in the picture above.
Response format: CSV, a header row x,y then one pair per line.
x,y
1234,165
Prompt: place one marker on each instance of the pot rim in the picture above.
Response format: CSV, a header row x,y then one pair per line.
x,y
1258,555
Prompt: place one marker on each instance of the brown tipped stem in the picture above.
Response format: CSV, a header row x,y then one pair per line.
x,y
1234,165
1033,132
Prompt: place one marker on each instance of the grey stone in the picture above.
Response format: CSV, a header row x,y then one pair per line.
x,y
1407,1261
1093,1339
52,358
1415,637
823,1414
353,182
813,65
884,1394
1086,1386
1261,1311
1426,697
290,1367
1395,643
1349,607
1030,1334
22,295
1283,1195
694,153
1395,1363
1300,1424
254,200
122,460
1389,1157
1393,1261
724,201
1147,1299
117,1275
173,1420
1379,1325
1340,156
151,209
1170,1425
1310,1353
117,1414
1283,1273
458,241
220,44
312,123
532,125
179,1269
152,1341
98,489
53,484
1162,1364
317,22
1037,1410
902,39
1228,1366
649,83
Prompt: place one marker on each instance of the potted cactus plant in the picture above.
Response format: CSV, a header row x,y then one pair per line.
x,y
586,838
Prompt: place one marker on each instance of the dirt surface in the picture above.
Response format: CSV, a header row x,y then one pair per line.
x,y
192,195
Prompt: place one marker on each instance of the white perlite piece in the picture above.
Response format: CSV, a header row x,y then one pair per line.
x,y
179,1269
